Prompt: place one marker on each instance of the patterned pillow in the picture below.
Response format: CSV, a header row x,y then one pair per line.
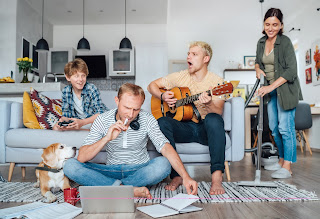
x,y
48,111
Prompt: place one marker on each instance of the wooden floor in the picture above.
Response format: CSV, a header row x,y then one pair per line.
x,y
306,175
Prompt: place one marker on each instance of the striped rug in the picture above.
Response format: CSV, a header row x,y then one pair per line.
x,y
25,192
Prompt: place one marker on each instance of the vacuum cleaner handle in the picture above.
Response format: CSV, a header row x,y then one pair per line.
x,y
252,92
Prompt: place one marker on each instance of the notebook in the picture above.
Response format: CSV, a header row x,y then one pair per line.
x,y
178,204
106,199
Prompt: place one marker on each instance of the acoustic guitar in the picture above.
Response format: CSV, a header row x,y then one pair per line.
x,y
183,110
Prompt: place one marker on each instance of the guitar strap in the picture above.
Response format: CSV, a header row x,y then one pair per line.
x,y
196,111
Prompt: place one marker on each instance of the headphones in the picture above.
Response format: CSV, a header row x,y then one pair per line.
x,y
135,125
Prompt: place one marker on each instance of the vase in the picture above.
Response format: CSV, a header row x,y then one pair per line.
x,y
25,76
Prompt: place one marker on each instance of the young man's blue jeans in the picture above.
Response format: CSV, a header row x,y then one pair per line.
x,y
92,174
209,131
281,123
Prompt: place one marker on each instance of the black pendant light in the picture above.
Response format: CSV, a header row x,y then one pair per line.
x,y
125,43
42,45
83,43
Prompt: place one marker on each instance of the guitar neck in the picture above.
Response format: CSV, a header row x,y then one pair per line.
x,y
190,99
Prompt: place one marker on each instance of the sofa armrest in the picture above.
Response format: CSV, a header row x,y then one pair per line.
x,y
237,128
5,115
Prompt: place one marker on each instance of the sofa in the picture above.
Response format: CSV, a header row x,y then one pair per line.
x,y
21,146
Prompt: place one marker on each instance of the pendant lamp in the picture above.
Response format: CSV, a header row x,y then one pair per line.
x,y
125,43
42,45
83,44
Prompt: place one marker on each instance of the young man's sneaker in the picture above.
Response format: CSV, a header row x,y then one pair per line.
x,y
274,166
283,173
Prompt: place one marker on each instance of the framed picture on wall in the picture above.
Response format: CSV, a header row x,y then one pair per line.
x,y
25,48
308,57
315,58
249,61
308,76
240,91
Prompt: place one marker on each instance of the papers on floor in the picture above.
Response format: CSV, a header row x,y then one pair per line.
x,y
40,210
178,204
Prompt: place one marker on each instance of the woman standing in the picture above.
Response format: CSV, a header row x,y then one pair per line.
x,y
276,60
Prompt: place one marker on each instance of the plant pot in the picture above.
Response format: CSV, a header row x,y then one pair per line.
x,y
25,76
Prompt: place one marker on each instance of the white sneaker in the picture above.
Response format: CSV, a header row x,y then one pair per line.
x,y
281,174
274,166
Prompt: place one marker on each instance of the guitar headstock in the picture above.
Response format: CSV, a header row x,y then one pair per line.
x,y
226,88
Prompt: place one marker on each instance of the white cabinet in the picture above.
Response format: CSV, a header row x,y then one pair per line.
x,y
121,63
58,58
151,63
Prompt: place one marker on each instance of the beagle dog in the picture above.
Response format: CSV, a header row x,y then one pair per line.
x,y
49,172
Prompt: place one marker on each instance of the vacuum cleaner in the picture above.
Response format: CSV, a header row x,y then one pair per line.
x,y
257,181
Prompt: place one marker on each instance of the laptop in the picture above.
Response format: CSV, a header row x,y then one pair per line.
x,y
106,199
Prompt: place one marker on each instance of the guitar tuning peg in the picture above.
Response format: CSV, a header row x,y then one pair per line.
x,y
218,84
223,82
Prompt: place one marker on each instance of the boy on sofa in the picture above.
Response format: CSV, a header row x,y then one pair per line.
x,y
124,132
81,102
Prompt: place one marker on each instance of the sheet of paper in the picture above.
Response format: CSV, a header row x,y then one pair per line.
x,y
180,201
158,210
16,211
58,211
40,210
190,208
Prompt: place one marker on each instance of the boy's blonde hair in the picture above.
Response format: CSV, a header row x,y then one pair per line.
x,y
77,65
132,89
205,46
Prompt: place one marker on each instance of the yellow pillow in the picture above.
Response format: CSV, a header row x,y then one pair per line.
x,y
29,117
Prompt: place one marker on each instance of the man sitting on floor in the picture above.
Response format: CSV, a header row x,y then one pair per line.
x,y
125,132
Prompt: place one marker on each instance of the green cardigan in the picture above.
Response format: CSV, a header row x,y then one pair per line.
x,y
285,65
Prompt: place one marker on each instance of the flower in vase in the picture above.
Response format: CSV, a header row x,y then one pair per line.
x,y
25,64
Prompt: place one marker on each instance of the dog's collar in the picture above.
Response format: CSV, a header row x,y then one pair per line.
x,y
49,169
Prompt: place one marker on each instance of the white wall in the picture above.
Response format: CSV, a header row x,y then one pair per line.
x,y
7,37
28,25
102,38
231,31
20,20
308,21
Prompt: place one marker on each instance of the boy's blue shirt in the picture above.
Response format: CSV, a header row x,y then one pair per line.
x,y
91,101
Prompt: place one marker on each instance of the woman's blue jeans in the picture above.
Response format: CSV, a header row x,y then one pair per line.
x,y
92,174
282,125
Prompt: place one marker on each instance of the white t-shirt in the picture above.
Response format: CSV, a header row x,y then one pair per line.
x,y
129,147
78,106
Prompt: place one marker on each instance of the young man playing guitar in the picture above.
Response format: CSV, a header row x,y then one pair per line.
x,y
210,129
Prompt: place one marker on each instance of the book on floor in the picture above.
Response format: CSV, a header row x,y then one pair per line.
x,y
40,210
178,204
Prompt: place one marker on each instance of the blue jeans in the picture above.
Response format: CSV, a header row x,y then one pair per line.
x,y
92,174
282,125
209,131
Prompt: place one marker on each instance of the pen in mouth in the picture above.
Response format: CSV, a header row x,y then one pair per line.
x,y
126,121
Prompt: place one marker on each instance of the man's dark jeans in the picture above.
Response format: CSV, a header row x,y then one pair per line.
x,y
209,131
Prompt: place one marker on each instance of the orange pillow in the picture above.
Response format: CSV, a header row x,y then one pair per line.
x,y
29,117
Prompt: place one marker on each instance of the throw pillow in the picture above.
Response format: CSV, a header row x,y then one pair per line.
x,y
48,111
29,118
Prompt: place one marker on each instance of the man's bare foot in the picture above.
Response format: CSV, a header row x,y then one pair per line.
x,y
142,192
174,184
216,187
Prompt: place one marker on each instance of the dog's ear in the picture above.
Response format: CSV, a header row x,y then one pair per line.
x,y
49,156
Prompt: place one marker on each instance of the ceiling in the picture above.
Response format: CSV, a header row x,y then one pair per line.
x,y
69,12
